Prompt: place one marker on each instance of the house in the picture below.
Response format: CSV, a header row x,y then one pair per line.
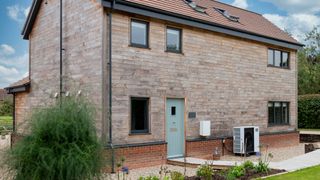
x,y
155,68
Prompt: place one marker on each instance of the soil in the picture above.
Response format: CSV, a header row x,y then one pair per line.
x,y
250,174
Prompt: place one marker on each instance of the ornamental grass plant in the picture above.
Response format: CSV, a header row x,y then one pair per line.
x,y
62,144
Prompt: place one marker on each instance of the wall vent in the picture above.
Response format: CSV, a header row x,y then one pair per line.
x,y
227,15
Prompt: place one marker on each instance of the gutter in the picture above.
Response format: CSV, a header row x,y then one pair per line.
x,y
189,21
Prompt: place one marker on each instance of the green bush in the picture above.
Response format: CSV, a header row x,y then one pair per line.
x,y
62,144
6,107
248,165
236,171
205,171
309,111
149,178
262,167
175,175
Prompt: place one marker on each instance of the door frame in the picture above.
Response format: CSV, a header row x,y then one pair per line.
x,y
184,122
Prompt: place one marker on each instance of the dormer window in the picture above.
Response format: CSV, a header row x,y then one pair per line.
x,y
194,6
227,15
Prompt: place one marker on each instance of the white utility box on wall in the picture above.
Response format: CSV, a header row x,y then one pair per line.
x,y
205,128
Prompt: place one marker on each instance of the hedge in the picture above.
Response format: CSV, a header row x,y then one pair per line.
x,y
309,111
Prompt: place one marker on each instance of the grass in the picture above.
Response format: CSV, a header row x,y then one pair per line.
x,y
5,123
309,129
307,173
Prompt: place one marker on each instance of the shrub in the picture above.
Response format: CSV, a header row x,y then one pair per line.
x,y
309,111
236,171
149,178
176,175
205,171
248,165
262,167
62,144
6,107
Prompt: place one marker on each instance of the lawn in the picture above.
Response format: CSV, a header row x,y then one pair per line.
x,y
309,129
5,123
308,173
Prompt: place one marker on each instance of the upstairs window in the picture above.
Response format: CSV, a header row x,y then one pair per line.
x,y
139,33
278,58
139,115
174,40
278,113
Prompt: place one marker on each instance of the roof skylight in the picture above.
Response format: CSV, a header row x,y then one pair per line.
x,y
227,15
194,6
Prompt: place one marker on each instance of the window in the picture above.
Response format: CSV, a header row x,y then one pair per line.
x,y
278,58
278,113
139,34
174,40
139,115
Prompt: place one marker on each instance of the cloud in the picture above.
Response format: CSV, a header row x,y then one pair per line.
x,y
296,24
17,12
13,68
302,16
240,3
6,49
297,6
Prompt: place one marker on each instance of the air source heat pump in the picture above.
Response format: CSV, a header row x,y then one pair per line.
x,y
246,140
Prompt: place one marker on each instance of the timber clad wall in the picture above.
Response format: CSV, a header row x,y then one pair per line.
x,y
224,79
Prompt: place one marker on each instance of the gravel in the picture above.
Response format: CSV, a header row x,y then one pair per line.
x,y
279,154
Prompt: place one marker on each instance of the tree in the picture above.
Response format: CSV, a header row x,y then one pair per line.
x,y
6,107
309,64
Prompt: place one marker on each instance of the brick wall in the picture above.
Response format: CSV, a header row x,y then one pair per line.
x,y
223,79
139,156
83,32
205,148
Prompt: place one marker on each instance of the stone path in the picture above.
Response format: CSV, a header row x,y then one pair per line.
x,y
299,162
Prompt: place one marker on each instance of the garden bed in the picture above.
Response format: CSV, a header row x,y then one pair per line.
x,y
249,174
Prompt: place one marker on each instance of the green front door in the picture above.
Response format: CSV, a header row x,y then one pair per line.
x,y
175,127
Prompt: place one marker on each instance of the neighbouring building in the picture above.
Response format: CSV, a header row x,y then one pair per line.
x,y
4,96
155,68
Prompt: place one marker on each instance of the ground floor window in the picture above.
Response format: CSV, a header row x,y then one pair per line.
x,y
278,113
139,115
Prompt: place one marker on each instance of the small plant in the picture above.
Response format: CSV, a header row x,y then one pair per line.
x,y
236,171
263,164
175,175
248,165
149,178
205,171
122,170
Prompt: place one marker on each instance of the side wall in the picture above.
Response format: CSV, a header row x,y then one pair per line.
x,y
83,31
223,79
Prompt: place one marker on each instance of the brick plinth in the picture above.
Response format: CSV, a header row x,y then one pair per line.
x,y
205,148
140,156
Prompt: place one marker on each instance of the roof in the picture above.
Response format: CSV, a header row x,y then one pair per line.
x,y
248,21
251,25
19,86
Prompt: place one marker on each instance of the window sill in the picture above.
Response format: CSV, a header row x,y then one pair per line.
x,y
137,133
175,52
139,46
276,125
271,66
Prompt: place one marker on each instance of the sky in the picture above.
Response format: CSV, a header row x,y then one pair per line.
x,y
295,16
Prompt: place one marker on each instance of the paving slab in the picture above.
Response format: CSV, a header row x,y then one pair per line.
x,y
292,164
303,161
